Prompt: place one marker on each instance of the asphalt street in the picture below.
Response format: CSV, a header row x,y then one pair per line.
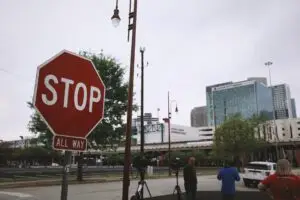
x,y
109,191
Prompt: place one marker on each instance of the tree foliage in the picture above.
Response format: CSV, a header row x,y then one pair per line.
x,y
199,155
37,126
111,129
236,137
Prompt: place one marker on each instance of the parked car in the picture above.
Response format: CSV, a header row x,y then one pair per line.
x,y
257,171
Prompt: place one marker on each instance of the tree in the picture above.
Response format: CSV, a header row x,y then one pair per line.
x,y
38,127
114,159
200,157
235,138
111,129
182,156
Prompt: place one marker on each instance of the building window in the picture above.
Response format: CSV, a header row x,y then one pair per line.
x,y
298,128
283,129
283,134
298,122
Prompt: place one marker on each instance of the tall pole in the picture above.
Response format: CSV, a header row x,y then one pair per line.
x,y
268,64
127,156
142,50
169,133
66,167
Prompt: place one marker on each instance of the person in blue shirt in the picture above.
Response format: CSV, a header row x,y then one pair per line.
x,y
228,175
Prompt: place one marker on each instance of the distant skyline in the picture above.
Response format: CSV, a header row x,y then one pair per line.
x,y
189,45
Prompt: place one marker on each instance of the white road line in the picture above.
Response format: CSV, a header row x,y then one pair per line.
x,y
16,194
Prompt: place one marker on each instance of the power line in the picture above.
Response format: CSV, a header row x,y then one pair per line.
x,y
20,77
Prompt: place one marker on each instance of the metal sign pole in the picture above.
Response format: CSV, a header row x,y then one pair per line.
x,y
66,168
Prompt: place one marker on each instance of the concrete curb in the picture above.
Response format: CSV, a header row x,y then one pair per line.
x,y
44,183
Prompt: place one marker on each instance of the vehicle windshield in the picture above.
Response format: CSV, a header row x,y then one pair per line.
x,y
258,166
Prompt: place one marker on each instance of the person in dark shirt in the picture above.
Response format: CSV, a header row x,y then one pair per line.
x,y
190,179
228,175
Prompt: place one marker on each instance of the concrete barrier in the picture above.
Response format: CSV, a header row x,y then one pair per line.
x,y
216,195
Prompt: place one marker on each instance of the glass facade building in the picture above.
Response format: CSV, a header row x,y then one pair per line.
x,y
209,102
247,98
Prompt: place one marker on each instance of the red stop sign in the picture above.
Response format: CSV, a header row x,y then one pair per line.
x,y
69,95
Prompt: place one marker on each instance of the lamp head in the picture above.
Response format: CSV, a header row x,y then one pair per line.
x,y
115,19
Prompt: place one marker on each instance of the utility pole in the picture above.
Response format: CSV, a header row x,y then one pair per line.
x,y
142,50
132,18
169,133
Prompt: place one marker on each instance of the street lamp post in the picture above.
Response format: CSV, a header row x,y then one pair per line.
x,y
131,27
169,128
268,64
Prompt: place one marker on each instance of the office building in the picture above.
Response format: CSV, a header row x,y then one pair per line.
x,y
247,98
199,117
294,112
209,102
258,79
282,101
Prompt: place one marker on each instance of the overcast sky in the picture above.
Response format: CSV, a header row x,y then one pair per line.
x,y
189,44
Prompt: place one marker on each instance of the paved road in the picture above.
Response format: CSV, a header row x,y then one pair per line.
x,y
5,195
113,190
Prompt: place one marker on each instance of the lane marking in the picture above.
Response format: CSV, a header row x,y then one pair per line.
x,y
16,194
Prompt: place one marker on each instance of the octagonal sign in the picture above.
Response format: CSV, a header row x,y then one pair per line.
x,y
69,95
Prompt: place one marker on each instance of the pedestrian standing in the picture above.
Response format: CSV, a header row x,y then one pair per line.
x,y
228,175
190,179
283,185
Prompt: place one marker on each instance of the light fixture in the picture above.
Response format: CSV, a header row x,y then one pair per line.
x,y
115,19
